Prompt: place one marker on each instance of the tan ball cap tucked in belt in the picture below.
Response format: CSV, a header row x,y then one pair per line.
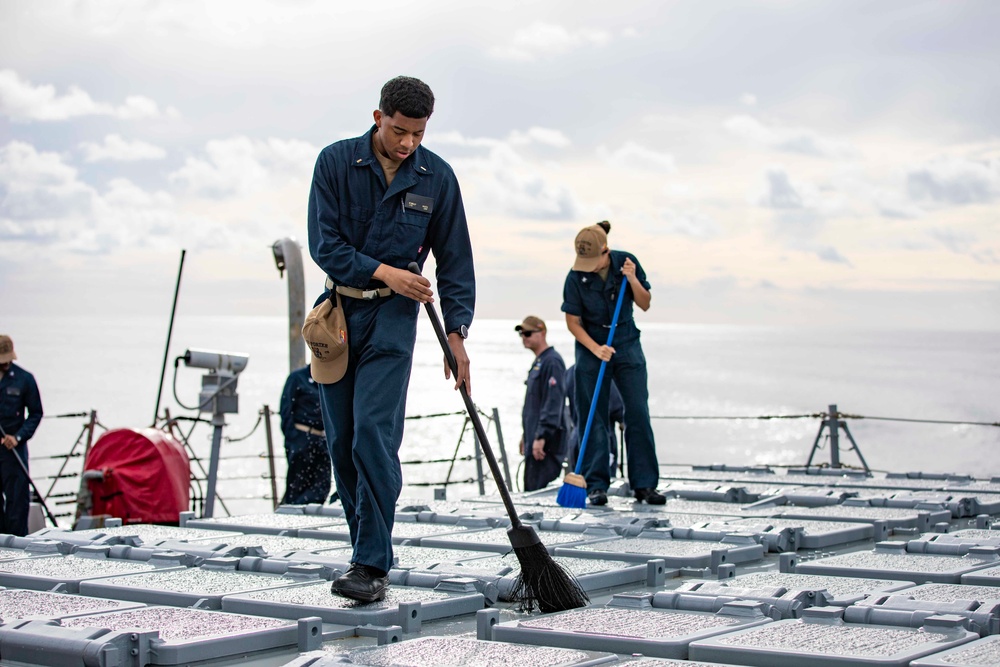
x,y
325,332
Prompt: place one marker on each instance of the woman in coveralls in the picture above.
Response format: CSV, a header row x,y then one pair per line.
x,y
589,298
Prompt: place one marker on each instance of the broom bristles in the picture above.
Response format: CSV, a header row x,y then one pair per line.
x,y
542,582
573,492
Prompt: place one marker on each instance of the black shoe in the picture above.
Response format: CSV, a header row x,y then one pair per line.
x,y
650,496
362,583
598,497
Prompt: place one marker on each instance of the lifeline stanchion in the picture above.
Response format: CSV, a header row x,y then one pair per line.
x,y
833,424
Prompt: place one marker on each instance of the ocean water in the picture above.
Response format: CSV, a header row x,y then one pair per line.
x,y
112,365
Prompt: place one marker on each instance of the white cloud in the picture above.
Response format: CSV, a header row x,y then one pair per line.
x,y
242,165
689,222
539,135
748,100
45,203
502,181
788,139
38,187
22,101
547,39
633,156
964,243
832,255
955,181
780,193
118,149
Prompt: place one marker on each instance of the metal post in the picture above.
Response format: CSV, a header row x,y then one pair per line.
x,y
465,425
857,449
834,424
218,421
479,464
288,257
84,491
62,468
622,450
815,447
503,450
270,455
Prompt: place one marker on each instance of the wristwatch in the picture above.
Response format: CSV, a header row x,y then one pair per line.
x,y
462,331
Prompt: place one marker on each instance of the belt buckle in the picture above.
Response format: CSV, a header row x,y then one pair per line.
x,y
369,294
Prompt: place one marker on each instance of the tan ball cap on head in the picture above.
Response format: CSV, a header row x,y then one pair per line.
x,y
590,245
531,323
6,349
325,332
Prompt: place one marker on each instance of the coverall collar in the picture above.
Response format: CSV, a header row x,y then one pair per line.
x,y
413,167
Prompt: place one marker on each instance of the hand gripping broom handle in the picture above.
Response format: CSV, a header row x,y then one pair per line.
x,y
600,378
470,407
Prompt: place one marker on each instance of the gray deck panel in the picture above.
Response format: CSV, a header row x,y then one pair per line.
x,y
651,632
896,518
842,591
826,643
979,605
24,604
876,564
980,653
435,651
47,572
194,635
315,599
266,524
675,553
986,577
184,587
496,540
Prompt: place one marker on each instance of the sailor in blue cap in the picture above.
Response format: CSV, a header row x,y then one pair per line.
x,y
543,428
379,202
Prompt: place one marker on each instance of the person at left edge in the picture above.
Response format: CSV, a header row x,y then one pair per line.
x,y
377,203
543,433
308,477
18,393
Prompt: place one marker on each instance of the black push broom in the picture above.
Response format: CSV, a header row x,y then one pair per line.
x,y
542,582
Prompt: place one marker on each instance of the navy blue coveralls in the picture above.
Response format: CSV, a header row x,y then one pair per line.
x,y
18,392
593,299
577,422
542,417
356,222
308,479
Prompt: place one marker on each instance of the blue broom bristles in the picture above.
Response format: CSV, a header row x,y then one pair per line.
x,y
573,492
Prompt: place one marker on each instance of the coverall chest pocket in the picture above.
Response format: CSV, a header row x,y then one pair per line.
x,y
409,233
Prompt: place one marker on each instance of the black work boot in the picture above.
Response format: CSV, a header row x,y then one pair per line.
x,y
598,497
650,497
362,583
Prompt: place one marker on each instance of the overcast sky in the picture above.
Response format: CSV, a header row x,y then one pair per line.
x,y
769,162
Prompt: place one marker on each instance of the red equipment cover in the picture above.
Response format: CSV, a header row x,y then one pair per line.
x,y
146,476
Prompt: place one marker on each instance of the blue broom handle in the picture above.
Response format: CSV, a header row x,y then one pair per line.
x,y
600,378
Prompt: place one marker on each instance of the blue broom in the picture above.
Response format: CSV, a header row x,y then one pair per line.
x,y
574,489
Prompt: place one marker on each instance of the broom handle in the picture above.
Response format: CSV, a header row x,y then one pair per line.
x,y
600,378
470,407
